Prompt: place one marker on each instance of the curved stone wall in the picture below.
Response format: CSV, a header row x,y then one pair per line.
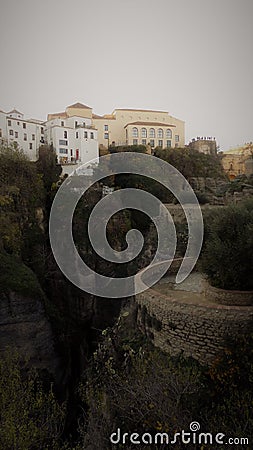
x,y
227,297
195,327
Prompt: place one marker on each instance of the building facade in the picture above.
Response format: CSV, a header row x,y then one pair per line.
x,y
73,135
238,161
28,135
139,126
206,145
77,133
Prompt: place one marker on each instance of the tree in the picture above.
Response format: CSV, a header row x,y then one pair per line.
x,y
21,192
227,256
48,167
192,163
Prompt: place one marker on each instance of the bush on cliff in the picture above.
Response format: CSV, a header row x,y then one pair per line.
x,y
30,416
192,163
227,256
21,193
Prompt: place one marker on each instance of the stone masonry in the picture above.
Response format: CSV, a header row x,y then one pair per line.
x,y
187,323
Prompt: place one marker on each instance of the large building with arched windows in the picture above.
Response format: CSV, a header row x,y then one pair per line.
x,y
140,126
76,133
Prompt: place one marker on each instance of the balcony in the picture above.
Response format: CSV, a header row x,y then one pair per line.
x,y
81,125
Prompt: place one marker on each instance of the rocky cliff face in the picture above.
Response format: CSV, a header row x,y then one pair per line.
x,y
25,327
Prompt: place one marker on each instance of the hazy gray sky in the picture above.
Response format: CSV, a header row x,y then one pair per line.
x,y
193,58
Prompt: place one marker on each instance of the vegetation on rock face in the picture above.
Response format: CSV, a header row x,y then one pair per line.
x,y
128,148
47,166
227,256
128,383
132,386
192,163
30,416
21,192
18,278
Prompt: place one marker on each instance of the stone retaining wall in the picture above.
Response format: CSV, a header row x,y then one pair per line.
x,y
227,297
195,330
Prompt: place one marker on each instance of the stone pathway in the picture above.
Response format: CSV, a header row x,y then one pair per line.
x,y
190,291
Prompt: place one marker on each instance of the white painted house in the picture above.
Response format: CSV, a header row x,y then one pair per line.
x,y
73,136
27,134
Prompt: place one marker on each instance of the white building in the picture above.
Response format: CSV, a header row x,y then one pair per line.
x,y
76,133
72,135
27,134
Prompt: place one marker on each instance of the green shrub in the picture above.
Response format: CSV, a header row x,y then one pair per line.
x,y
227,256
17,277
30,416
192,163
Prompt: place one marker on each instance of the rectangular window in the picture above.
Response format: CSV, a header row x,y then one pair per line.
x,y
106,127
9,123
24,125
62,123
160,143
33,137
18,123
42,130
11,132
77,135
85,134
30,145
106,135
25,137
63,142
16,134
168,143
135,141
92,135
0,132
65,134
63,151
75,123
152,142
143,141
176,138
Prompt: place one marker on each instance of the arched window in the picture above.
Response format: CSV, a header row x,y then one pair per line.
x,y
151,132
144,132
135,132
168,133
160,133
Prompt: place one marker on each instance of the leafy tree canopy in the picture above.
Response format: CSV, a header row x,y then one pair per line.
x,y
192,163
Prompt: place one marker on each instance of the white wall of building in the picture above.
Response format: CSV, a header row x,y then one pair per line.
x,y
27,134
73,138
